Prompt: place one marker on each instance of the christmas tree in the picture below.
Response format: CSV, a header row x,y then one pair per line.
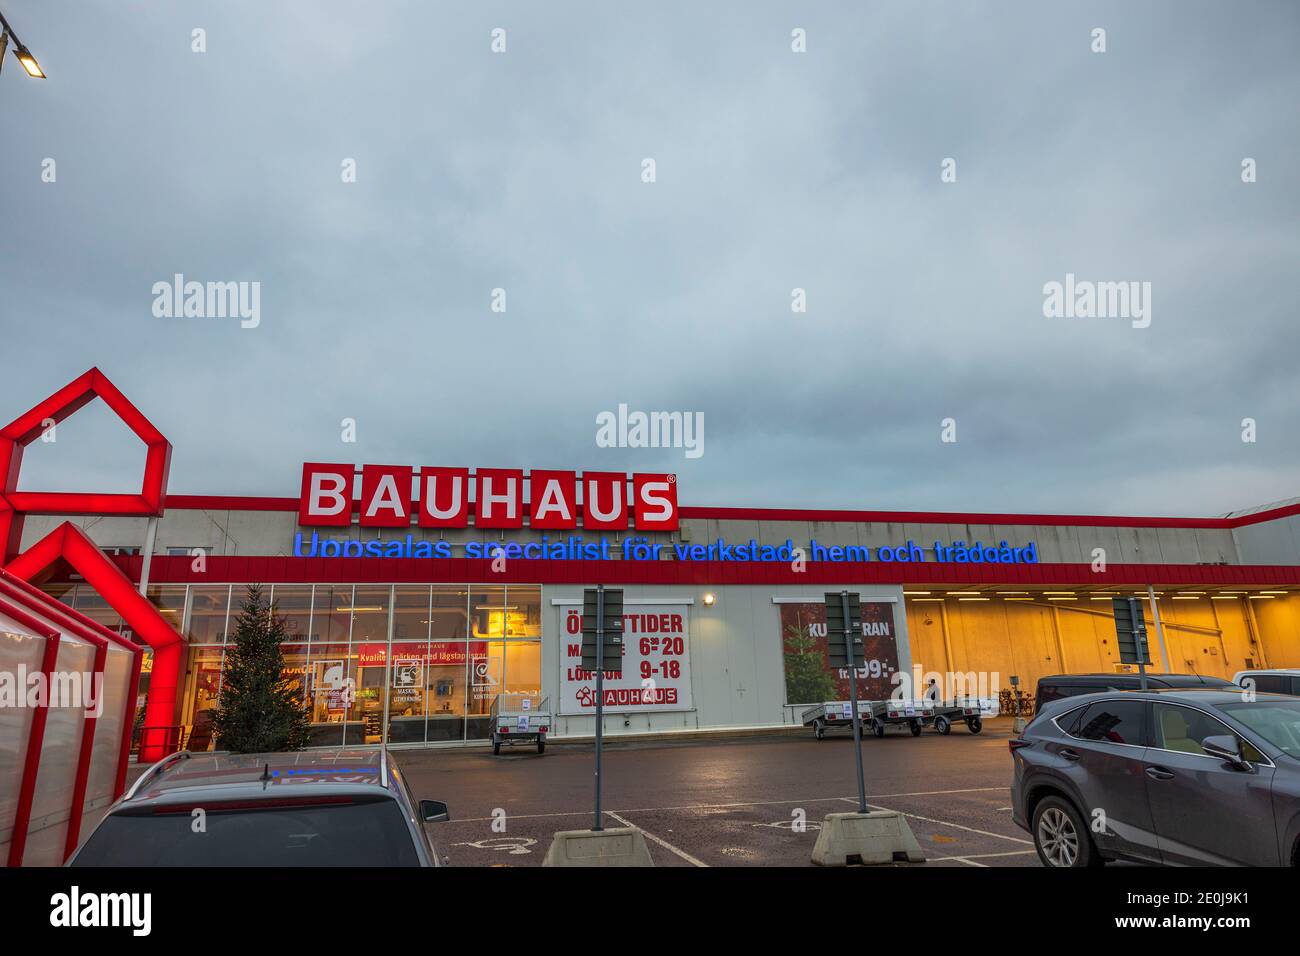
x,y
259,710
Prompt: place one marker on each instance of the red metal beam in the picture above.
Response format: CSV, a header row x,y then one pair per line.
x,y
69,543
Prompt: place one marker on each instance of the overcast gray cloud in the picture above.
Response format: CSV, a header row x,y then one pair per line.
x,y
775,170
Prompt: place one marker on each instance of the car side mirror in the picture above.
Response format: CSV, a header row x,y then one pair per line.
x,y
434,811
1227,747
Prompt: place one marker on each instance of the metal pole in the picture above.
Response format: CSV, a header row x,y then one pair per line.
x,y
1160,628
853,697
150,537
1140,637
600,690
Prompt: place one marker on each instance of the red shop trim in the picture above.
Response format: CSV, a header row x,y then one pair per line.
x,y
277,569
237,503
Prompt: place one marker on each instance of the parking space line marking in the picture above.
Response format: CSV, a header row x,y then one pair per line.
x,y
654,839
741,804
980,856
945,823
962,859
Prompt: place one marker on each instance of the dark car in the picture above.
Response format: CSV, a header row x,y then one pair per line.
x,y
1200,777
1059,686
316,808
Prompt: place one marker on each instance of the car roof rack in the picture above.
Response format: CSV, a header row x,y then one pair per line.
x,y
156,769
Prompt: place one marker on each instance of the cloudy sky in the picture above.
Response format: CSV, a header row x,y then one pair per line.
x,y
775,170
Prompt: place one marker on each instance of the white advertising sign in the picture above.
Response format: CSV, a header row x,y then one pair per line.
x,y
656,662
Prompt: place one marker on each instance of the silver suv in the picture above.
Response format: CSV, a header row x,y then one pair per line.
x,y
315,808
1201,777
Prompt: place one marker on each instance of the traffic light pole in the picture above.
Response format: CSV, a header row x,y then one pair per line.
x,y
600,690
853,696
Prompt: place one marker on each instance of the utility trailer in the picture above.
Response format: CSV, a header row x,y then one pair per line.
x,y
876,715
912,714
835,713
520,718
970,710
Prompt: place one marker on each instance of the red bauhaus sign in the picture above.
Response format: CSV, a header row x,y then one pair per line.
x,y
392,496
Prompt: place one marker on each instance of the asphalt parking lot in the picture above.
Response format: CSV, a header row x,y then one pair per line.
x,y
728,802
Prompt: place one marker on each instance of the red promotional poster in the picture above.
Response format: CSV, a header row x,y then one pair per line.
x,y
809,678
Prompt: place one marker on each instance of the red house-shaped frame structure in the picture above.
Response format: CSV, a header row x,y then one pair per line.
x,y
68,543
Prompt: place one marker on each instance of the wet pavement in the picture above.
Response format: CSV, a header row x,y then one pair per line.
x,y
744,801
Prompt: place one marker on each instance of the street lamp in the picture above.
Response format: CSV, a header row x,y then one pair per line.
x,y
23,54
29,62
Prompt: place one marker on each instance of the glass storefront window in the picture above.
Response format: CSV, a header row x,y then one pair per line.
x,y
293,604
327,671
96,608
406,673
524,619
64,591
208,614
449,662
487,611
523,668
141,697
331,619
199,695
487,676
428,669
370,607
169,599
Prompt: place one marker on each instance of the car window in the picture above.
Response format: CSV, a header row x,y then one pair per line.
x,y
1295,686
1182,728
1276,720
1267,683
1049,692
371,833
1111,721
1069,721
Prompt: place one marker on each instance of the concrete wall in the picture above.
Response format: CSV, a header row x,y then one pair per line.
x,y
737,668
1269,542
272,533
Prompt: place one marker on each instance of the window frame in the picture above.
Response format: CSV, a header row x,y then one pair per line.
x,y
1265,760
1144,721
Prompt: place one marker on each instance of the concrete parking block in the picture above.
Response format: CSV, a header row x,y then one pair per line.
x,y
868,838
623,846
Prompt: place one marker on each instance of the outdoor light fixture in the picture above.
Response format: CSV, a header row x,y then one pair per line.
x,y
29,62
23,54
709,599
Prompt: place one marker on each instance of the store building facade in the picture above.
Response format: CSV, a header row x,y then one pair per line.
x,y
412,596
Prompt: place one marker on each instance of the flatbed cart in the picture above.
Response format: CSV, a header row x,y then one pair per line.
x,y
910,713
835,713
520,718
971,710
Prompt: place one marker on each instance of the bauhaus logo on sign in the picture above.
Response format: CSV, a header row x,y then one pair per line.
x,y
393,496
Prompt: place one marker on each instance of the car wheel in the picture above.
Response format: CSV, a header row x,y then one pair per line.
x,y
975,725
916,728
878,728
1060,836
496,744
819,729
942,724
541,744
